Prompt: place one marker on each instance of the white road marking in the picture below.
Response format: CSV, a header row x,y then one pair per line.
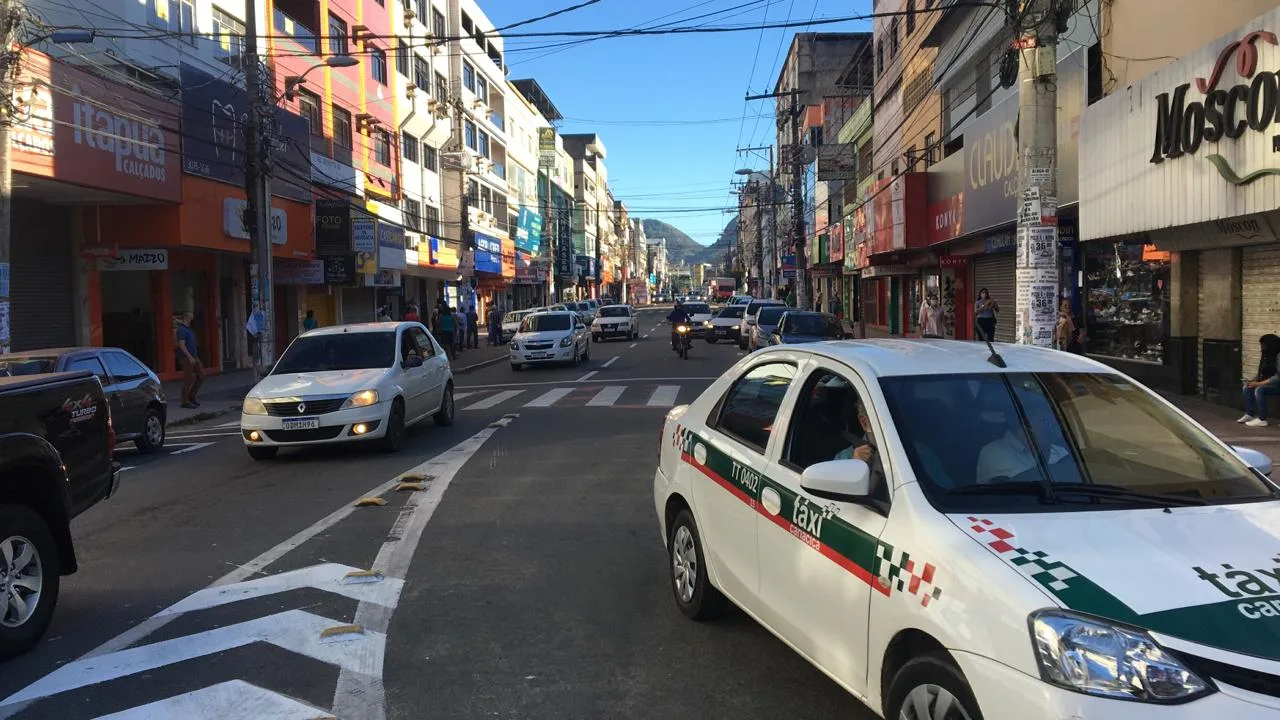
x,y
607,396
633,345
645,336
459,395
493,400
189,447
611,361
233,423
126,467
586,377
327,577
664,396
221,701
549,398
564,382
185,436
294,630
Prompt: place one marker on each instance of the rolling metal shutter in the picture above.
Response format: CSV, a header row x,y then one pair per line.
x,y
358,305
1259,301
42,288
997,274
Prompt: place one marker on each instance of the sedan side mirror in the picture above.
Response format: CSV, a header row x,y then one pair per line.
x,y
840,480
1254,459
412,361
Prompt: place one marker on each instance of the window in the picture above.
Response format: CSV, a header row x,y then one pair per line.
x,y
412,214
341,128
748,410
409,147
309,108
467,26
337,36
469,133
482,89
422,74
442,87
893,38
378,65
429,159
422,7
482,146
124,368
828,425
425,346
431,221
382,147
1128,300
403,57
879,58
438,27
93,365
930,149
911,17
229,34
187,21
468,76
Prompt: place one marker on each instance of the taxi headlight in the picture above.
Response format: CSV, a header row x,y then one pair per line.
x,y
567,341
253,406
706,323
514,345
364,398
1096,657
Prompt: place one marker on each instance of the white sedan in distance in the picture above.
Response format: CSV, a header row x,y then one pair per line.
x,y
550,337
954,531
349,383
613,321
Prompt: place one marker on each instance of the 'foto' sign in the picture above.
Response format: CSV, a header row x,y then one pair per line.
x,y
136,260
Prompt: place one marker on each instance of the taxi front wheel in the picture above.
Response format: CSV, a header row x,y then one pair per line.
x,y
694,594
928,687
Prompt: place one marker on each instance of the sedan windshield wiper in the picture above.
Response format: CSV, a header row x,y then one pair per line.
x,y
1090,490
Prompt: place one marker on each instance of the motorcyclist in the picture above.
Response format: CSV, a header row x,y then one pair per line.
x,y
678,315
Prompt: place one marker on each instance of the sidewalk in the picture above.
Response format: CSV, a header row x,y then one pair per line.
x,y
1221,421
222,393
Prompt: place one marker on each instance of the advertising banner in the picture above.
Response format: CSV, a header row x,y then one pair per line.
x,y
333,226
157,259
390,247
488,254
835,240
214,112
364,235
339,269
440,254
564,251
529,231
299,272
546,148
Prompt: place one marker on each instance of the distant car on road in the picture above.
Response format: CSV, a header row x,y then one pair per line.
x,y
134,392
724,326
954,532
349,383
766,320
749,319
699,315
511,321
550,337
615,321
797,327
740,299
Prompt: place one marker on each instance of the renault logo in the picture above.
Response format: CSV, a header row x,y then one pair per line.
x,y
302,407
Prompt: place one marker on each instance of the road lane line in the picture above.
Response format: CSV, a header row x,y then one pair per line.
x,y
222,701
633,345
562,382
607,397
611,361
459,395
587,377
186,436
549,398
645,336
493,400
233,423
664,396
191,447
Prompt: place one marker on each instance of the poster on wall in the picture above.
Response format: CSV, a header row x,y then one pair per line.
x,y
1037,298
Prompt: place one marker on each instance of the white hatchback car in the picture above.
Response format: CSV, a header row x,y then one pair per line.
x,y
951,531
349,383
615,321
550,337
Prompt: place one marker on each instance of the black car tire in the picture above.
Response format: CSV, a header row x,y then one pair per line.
x,y
586,353
516,367
595,338
393,440
145,444
444,417
707,603
263,452
935,670
22,521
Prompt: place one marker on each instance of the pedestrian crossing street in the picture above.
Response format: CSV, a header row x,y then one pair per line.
x,y
649,395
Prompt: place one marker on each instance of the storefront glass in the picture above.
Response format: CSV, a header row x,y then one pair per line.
x,y
1127,301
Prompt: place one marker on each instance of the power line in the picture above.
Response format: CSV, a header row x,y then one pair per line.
x,y
552,14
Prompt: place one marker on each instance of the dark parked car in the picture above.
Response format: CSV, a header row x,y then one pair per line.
x,y
797,326
138,407
56,443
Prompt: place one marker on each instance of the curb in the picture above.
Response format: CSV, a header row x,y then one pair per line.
x,y
199,417
476,366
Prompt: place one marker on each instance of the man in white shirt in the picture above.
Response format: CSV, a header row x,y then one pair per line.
x,y
1010,455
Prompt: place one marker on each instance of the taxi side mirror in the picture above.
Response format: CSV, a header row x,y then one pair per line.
x,y
840,480
1254,459
412,361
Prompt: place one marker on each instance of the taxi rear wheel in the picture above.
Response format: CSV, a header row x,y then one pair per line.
x,y
694,594
931,687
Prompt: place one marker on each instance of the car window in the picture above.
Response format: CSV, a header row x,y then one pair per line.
x,y
825,425
614,311
732,312
91,364
341,351
751,405
27,366
543,323
697,309
123,368
794,323
770,315
423,341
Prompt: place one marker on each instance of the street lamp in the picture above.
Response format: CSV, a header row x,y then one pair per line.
x,y
292,82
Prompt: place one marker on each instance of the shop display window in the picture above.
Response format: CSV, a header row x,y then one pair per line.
x,y
1127,300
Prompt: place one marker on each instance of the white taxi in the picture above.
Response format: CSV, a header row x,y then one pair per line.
x,y
951,531
349,383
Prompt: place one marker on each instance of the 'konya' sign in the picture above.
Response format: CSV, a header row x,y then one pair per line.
x,y
1251,105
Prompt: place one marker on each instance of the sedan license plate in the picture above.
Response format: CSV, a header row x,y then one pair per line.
x,y
301,424
538,356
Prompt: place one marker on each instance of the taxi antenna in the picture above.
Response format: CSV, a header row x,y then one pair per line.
x,y
994,358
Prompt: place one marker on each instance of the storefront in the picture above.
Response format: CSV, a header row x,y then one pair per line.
x,y
1180,246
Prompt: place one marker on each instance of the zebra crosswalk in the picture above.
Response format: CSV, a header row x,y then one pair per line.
x,y
617,396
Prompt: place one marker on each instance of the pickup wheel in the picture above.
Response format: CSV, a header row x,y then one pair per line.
x,y
152,437
29,577
263,452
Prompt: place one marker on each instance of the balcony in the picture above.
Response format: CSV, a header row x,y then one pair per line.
x,y
495,119
301,34
499,170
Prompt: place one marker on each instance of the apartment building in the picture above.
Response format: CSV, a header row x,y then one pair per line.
x,y
588,154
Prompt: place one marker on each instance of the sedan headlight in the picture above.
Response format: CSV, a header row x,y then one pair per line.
x,y
706,323
364,398
566,341
253,406
514,345
1095,657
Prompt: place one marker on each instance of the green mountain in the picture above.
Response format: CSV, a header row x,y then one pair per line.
x,y
683,249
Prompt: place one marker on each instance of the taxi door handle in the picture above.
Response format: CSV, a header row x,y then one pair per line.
x,y
771,501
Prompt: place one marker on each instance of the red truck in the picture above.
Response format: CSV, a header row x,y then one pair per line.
x,y
723,288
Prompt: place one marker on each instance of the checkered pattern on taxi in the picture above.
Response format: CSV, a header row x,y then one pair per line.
x,y
678,437
897,571
1036,564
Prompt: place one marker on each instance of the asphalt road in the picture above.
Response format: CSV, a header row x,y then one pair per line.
x,y
523,578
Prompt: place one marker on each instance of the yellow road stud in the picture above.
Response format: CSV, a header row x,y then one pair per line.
x,y
370,501
410,486
342,630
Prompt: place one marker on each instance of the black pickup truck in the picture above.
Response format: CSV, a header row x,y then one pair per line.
x,y
56,445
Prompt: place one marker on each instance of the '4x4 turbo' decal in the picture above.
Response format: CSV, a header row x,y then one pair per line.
x,y
819,526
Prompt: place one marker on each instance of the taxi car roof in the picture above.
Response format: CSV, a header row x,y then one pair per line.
x,y
890,357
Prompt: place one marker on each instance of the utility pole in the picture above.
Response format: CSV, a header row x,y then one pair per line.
x,y
1037,263
797,205
549,232
257,193
10,21
765,276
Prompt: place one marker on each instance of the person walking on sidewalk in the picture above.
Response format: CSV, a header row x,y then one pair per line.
x,y
188,360
447,323
460,333
495,326
309,323
473,327
984,315
1264,384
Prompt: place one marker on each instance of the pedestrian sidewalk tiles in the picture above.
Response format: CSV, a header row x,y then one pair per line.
x,y
631,396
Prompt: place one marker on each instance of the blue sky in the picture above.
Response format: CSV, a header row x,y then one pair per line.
x,y
640,93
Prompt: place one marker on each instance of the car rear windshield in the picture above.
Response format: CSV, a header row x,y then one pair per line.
x,y
12,367
733,311
543,323
344,351
615,311
770,315
966,432
515,316
697,309
754,307
808,324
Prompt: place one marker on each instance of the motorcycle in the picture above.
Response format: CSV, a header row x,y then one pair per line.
x,y
682,333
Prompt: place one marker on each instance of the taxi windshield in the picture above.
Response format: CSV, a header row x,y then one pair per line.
x,y
613,311
973,439
347,351
697,308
